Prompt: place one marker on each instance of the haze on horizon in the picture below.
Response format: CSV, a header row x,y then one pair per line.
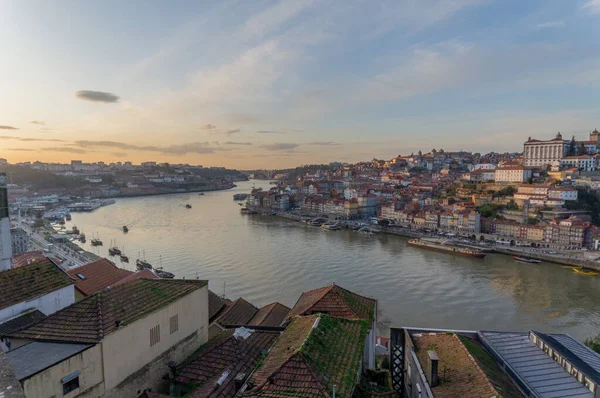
x,y
249,84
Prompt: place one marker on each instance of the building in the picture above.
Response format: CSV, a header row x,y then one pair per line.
x,y
430,363
115,343
5,239
314,357
341,303
512,174
481,175
539,153
19,241
581,162
569,233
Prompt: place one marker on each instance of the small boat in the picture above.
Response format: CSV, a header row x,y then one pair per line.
x,y
142,264
331,226
114,251
164,274
526,260
124,258
201,194
581,271
240,196
96,242
61,221
188,206
68,216
445,247
125,229
81,238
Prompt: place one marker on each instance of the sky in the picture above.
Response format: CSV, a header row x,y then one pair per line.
x,y
269,84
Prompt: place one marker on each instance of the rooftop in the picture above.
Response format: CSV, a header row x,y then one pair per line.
x,y
143,274
459,374
22,321
96,316
34,357
270,315
215,305
335,301
96,276
31,281
9,384
238,312
223,358
314,353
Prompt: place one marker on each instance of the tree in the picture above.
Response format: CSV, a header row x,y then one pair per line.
x,y
572,147
582,150
593,343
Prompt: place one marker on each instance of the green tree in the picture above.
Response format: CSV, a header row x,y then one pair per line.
x,y
593,343
572,147
582,150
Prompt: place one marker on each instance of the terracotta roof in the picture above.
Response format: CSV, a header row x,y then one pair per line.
x,y
238,312
463,377
226,352
96,276
215,305
31,281
270,315
94,317
143,274
335,301
313,354
28,257
23,321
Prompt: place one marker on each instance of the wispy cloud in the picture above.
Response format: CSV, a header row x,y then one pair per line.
x,y
550,24
66,149
236,143
37,122
26,139
234,131
279,146
208,127
324,143
8,128
269,132
592,6
182,149
96,96
21,149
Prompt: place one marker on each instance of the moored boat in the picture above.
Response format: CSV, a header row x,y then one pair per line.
x,y
331,226
125,229
463,251
124,258
527,260
164,274
581,271
188,206
142,264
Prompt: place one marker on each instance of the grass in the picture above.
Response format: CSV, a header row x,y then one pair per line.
x,y
495,374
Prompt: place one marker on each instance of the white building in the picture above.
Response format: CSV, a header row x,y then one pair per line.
x,y
582,162
539,153
562,193
19,240
485,166
512,174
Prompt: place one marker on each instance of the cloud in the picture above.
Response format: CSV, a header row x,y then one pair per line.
x,y
182,149
236,143
270,132
592,6
8,128
279,146
325,143
24,139
119,154
21,149
66,149
96,96
37,122
551,24
230,132
208,127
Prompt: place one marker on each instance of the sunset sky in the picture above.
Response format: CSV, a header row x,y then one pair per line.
x,y
250,84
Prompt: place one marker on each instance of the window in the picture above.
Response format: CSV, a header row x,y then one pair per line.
x,y
174,323
81,276
154,335
70,382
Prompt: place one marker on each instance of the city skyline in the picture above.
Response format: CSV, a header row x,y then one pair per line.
x,y
277,84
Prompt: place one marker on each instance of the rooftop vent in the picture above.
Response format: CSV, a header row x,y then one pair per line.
x,y
431,373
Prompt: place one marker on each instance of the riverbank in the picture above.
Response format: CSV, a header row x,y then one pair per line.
x,y
511,251
141,194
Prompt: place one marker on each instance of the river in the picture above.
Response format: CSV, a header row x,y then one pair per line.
x,y
266,259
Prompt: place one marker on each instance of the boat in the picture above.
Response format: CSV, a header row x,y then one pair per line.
x,y
61,221
81,238
68,216
142,264
124,258
114,251
125,229
527,260
316,222
463,251
240,196
331,226
201,194
96,242
163,274
188,206
245,210
364,230
581,271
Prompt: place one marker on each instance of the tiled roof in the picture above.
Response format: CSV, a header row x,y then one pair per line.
x,y
94,317
23,321
460,376
314,353
215,305
270,315
143,274
30,281
97,276
9,384
335,301
238,312
28,257
226,353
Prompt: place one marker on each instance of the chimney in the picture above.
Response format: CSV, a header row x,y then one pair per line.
x,y
173,367
431,372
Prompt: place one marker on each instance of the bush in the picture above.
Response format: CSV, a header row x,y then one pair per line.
x,y
593,343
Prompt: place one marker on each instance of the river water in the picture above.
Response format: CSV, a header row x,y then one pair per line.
x,y
266,259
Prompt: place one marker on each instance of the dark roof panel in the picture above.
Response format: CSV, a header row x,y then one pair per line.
x,y
37,356
238,312
23,321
